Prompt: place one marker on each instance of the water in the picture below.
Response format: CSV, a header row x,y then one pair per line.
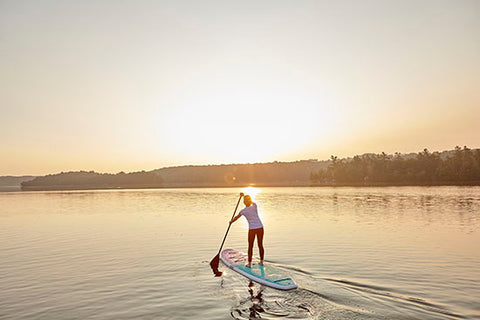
x,y
356,253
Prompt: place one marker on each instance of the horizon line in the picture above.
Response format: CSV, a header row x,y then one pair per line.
x,y
233,164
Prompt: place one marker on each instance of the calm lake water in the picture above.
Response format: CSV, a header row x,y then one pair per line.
x,y
356,253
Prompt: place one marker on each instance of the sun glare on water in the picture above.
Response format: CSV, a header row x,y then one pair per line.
x,y
252,192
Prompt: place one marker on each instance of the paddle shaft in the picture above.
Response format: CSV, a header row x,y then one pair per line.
x,y
229,224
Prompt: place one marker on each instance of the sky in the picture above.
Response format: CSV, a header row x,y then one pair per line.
x,y
117,86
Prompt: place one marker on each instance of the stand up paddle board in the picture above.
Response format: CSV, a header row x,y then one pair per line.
x,y
267,275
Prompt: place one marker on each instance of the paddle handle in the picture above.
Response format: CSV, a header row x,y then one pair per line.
x,y
229,224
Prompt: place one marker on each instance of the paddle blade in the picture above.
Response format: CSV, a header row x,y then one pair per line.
x,y
214,266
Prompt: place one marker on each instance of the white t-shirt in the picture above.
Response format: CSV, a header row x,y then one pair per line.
x,y
251,214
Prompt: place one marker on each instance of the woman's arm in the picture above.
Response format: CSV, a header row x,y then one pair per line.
x,y
235,218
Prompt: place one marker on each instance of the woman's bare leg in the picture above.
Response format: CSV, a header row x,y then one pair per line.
x,y
251,239
260,245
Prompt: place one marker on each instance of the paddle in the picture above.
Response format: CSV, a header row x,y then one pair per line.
x,y
216,259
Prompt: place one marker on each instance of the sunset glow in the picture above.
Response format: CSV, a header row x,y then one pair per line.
x,y
245,125
179,83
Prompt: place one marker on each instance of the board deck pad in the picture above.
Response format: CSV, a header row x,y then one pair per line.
x,y
267,274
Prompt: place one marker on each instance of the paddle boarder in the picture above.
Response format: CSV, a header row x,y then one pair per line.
x,y
255,227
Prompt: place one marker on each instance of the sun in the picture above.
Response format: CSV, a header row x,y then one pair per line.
x,y
245,125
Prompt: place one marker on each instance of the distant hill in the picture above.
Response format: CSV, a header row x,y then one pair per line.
x,y
80,180
458,167
261,174
13,183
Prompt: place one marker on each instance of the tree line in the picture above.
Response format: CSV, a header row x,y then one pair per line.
x,y
93,180
456,167
274,173
460,167
277,173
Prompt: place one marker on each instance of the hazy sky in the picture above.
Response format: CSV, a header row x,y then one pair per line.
x,y
131,85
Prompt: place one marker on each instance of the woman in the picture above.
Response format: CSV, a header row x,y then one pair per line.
x,y
255,228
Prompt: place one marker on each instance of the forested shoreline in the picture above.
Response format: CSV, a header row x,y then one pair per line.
x,y
93,180
460,166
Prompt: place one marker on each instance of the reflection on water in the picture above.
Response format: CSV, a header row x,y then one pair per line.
x,y
275,304
257,302
356,253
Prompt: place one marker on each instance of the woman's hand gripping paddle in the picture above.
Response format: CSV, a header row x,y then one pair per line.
x,y
216,259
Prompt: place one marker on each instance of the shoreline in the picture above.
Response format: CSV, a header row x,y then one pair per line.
x,y
259,185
